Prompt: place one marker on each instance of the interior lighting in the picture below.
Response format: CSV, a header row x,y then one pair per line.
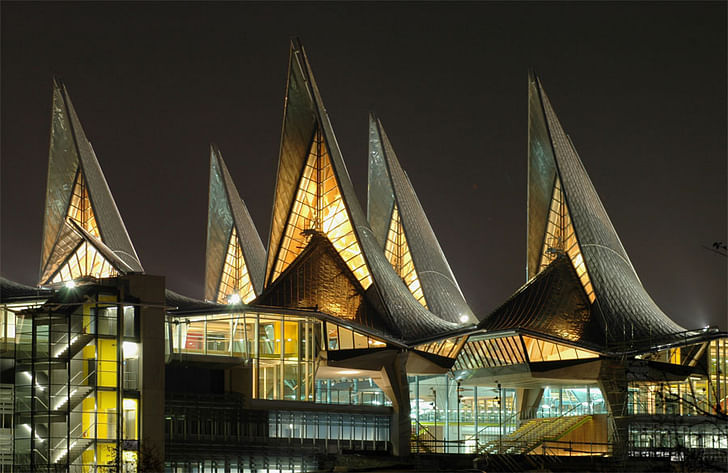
x,y
349,372
130,349
234,299
464,319
70,284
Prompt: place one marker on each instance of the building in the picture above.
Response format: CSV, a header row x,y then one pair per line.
x,y
348,331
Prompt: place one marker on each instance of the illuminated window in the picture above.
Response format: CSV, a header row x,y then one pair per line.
x,y
541,350
235,278
85,261
398,253
340,338
80,209
319,206
490,353
561,238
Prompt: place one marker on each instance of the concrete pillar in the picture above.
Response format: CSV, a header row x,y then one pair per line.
x,y
527,401
395,385
612,381
149,291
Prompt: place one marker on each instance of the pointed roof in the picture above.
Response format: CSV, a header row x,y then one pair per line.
x,y
72,160
305,123
621,304
228,217
391,194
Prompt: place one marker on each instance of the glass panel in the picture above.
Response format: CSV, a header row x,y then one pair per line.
x,y
346,341
235,280
398,253
319,206
560,238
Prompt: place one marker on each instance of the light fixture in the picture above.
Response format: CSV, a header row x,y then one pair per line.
x,y
70,284
464,319
234,299
130,350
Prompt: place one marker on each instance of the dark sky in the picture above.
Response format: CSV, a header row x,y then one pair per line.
x,y
640,87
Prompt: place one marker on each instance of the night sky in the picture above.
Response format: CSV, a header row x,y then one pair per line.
x,y
640,87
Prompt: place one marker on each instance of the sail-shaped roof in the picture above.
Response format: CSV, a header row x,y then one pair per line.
x,y
314,195
566,216
77,191
235,256
403,230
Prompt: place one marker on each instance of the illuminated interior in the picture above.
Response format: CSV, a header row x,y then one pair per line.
x,y
561,238
85,261
80,209
398,253
235,278
512,350
449,347
70,382
541,350
491,353
342,338
319,206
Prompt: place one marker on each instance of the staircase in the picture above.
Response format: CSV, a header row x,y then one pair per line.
x,y
425,442
78,446
533,433
78,394
69,349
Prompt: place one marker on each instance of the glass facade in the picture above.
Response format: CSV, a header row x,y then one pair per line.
x,y
398,253
481,351
235,278
77,397
560,238
449,347
328,426
283,349
319,206
449,416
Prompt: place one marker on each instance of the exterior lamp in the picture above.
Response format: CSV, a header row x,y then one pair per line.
x,y
234,299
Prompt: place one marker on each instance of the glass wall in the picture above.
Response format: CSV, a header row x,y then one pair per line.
x,y
283,349
74,366
356,392
578,400
328,426
699,394
450,417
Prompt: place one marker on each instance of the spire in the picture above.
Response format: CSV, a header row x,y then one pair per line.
x,y
566,216
409,242
314,196
235,257
79,206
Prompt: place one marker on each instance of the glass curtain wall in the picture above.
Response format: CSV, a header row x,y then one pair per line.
x,y
283,349
71,386
451,417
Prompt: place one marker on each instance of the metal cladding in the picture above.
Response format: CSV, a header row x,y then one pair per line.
x,y
552,303
305,118
621,306
389,187
70,155
227,212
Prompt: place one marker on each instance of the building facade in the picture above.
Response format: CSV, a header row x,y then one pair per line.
x,y
347,332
